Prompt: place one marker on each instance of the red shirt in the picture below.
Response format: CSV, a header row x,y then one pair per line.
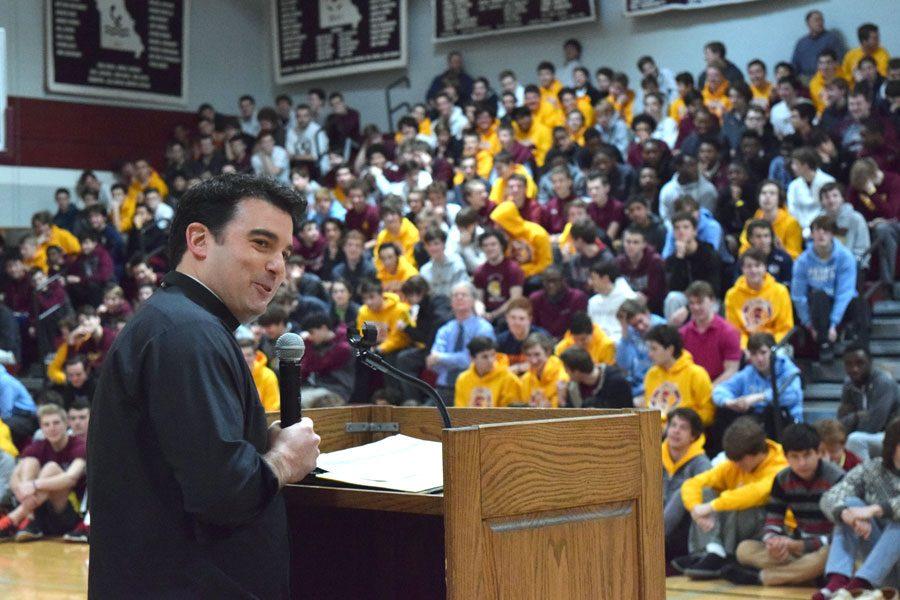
x,y
365,222
720,342
604,216
495,281
555,315
553,214
43,452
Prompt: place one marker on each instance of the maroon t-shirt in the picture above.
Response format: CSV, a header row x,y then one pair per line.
x,y
720,342
495,281
555,315
43,452
314,255
553,214
365,222
604,216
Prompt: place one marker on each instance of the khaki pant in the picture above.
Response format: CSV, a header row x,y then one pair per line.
x,y
796,569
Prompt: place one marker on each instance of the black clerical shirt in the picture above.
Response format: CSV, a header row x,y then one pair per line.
x,y
182,503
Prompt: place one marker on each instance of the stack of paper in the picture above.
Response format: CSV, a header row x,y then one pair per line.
x,y
399,462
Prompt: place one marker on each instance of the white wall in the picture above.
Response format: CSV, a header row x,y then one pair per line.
x,y
766,29
228,53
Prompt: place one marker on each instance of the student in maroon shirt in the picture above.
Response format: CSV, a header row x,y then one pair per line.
x,y
310,244
17,290
714,343
643,268
608,213
47,472
499,280
554,305
362,216
90,338
91,270
553,214
516,190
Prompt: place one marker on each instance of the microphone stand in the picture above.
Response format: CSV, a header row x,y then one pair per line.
x,y
377,363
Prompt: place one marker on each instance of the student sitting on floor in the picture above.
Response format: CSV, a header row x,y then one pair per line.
x,y
865,507
833,445
870,399
682,458
782,558
727,503
488,382
589,336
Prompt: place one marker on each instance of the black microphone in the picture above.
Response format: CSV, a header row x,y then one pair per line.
x,y
289,349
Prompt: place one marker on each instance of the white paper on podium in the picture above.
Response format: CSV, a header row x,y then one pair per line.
x,y
399,462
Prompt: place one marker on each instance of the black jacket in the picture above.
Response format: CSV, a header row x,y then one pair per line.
x,y
182,503
434,311
704,264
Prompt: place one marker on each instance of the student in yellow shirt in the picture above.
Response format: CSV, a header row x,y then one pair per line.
x,y
486,127
829,69
674,379
393,268
530,132
588,336
869,45
487,382
569,101
621,97
387,311
484,160
506,168
549,84
715,92
397,229
263,377
548,115
727,503
546,374
757,303
678,107
787,229
48,235
761,88
144,176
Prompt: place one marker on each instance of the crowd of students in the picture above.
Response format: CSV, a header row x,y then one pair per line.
x,y
578,241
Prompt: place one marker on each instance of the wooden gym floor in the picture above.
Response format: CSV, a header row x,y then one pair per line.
x,y
54,570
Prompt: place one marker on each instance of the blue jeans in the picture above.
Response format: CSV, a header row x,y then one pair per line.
x,y
881,552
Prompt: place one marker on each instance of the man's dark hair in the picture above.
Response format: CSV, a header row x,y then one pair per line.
x,y
759,224
247,97
415,285
577,359
685,78
717,48
643,61
435,234
700,289
646,119
581,324
756,61
744,437
635,230
495,233
546,66
389,246
858,347
480,343
317,92
89,234
825,222
606,268
799,437
760,340
753,254
407,121
666,335
213,203
316,320
586,231
684,216
43,217
62,190
274,315
370,286
76,360
79,404
865,30
805,111
692,418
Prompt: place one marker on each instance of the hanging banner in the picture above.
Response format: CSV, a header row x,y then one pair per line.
x,y
125,49
636,8
458,19
328,38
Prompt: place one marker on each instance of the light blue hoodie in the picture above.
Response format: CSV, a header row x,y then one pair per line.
x,y
835,276
632,356
750,381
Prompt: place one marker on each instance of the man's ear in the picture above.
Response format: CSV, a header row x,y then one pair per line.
x,y
198,238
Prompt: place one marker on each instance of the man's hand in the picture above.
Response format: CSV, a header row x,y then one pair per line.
x,y
704,515
706,524
431,360
293,451
832,334
680,249
778,547
738,404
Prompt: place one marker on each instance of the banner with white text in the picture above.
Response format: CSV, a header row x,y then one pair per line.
x,y
458,19
636,8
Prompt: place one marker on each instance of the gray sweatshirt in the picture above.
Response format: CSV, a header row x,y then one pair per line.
x,y
856,237
871,407
674,510
871,483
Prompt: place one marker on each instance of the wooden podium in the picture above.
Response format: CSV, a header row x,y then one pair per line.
x,y
555,504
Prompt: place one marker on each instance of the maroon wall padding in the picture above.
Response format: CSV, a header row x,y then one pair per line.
x,y
49,133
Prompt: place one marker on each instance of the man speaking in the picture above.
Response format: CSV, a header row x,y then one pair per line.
x,y
183,475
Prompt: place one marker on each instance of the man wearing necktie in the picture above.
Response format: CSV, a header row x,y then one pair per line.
x,y
449,357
